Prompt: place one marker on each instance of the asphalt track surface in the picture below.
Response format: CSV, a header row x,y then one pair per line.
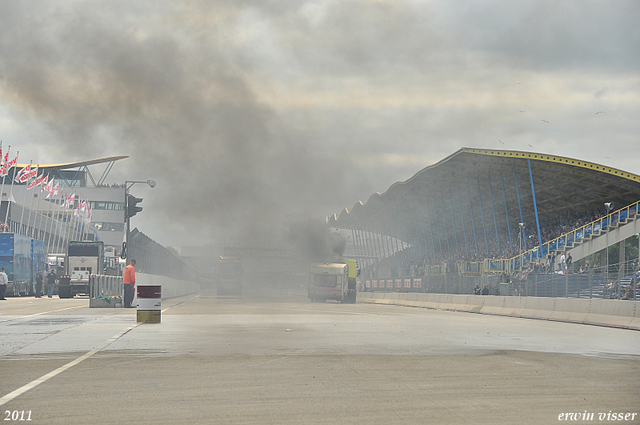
x,y
288,361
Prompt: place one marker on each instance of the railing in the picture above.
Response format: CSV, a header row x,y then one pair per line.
x,y
471,267
438,269
105,286
582,233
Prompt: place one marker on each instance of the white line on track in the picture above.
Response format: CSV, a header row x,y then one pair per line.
x,y
12,395
40,314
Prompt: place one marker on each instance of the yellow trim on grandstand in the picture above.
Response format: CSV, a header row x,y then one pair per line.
x,y
77,163
555,159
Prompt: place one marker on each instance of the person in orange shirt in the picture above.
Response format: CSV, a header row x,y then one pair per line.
x,y
129,281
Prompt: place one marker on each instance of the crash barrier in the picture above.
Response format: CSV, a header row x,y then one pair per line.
x,y
171,288
602,312
108,291
574,285
105,291
149,303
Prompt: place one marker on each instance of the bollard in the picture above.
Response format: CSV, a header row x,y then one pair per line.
x,y
149,304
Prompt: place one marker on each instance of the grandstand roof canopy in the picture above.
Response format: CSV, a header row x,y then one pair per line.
x,y
76,164
482,191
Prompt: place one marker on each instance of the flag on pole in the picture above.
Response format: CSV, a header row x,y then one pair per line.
x,y
47,184
53,190
29,175
25,170
8,164
69,201
37,181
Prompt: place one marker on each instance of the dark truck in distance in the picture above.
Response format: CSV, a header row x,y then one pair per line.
x,y
84,259
229,276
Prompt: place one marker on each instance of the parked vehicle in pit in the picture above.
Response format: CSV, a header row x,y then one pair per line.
x,y
84,259
21,257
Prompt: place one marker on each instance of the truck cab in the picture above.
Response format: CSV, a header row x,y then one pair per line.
x,y
330,281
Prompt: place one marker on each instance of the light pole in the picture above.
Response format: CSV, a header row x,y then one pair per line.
x,y
521,225
609,207
130,211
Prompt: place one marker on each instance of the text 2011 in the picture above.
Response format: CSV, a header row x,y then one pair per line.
x,y
17,415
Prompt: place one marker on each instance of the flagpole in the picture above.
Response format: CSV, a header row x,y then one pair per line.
x,y
24,202
4,164
51,217
74,220
85,219
81,220
31,204
35,222
29,219
6,216
50,225
58,225
61,224
67,227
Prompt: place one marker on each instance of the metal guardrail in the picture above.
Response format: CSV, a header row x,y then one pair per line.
x,y
470,267
580,234
105,286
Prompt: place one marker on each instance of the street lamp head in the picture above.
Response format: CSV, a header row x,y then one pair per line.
x,y
151,183
521,225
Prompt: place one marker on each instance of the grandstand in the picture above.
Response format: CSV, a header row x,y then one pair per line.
x,y
497,216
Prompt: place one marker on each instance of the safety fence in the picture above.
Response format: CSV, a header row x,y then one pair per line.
x,y
153,258
587,285
105,286
581,234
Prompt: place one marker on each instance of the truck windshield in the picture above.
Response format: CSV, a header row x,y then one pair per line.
x,y
84,250
229,270
324,280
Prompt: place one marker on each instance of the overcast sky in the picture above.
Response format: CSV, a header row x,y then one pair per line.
x,y
247,112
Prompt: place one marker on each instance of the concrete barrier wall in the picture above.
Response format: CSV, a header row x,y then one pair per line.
x,y
613,313
171,288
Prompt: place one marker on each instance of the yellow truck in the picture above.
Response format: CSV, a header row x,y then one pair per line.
x,y
333,281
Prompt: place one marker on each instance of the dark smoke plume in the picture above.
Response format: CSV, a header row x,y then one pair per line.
x,y
162,84
313,240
